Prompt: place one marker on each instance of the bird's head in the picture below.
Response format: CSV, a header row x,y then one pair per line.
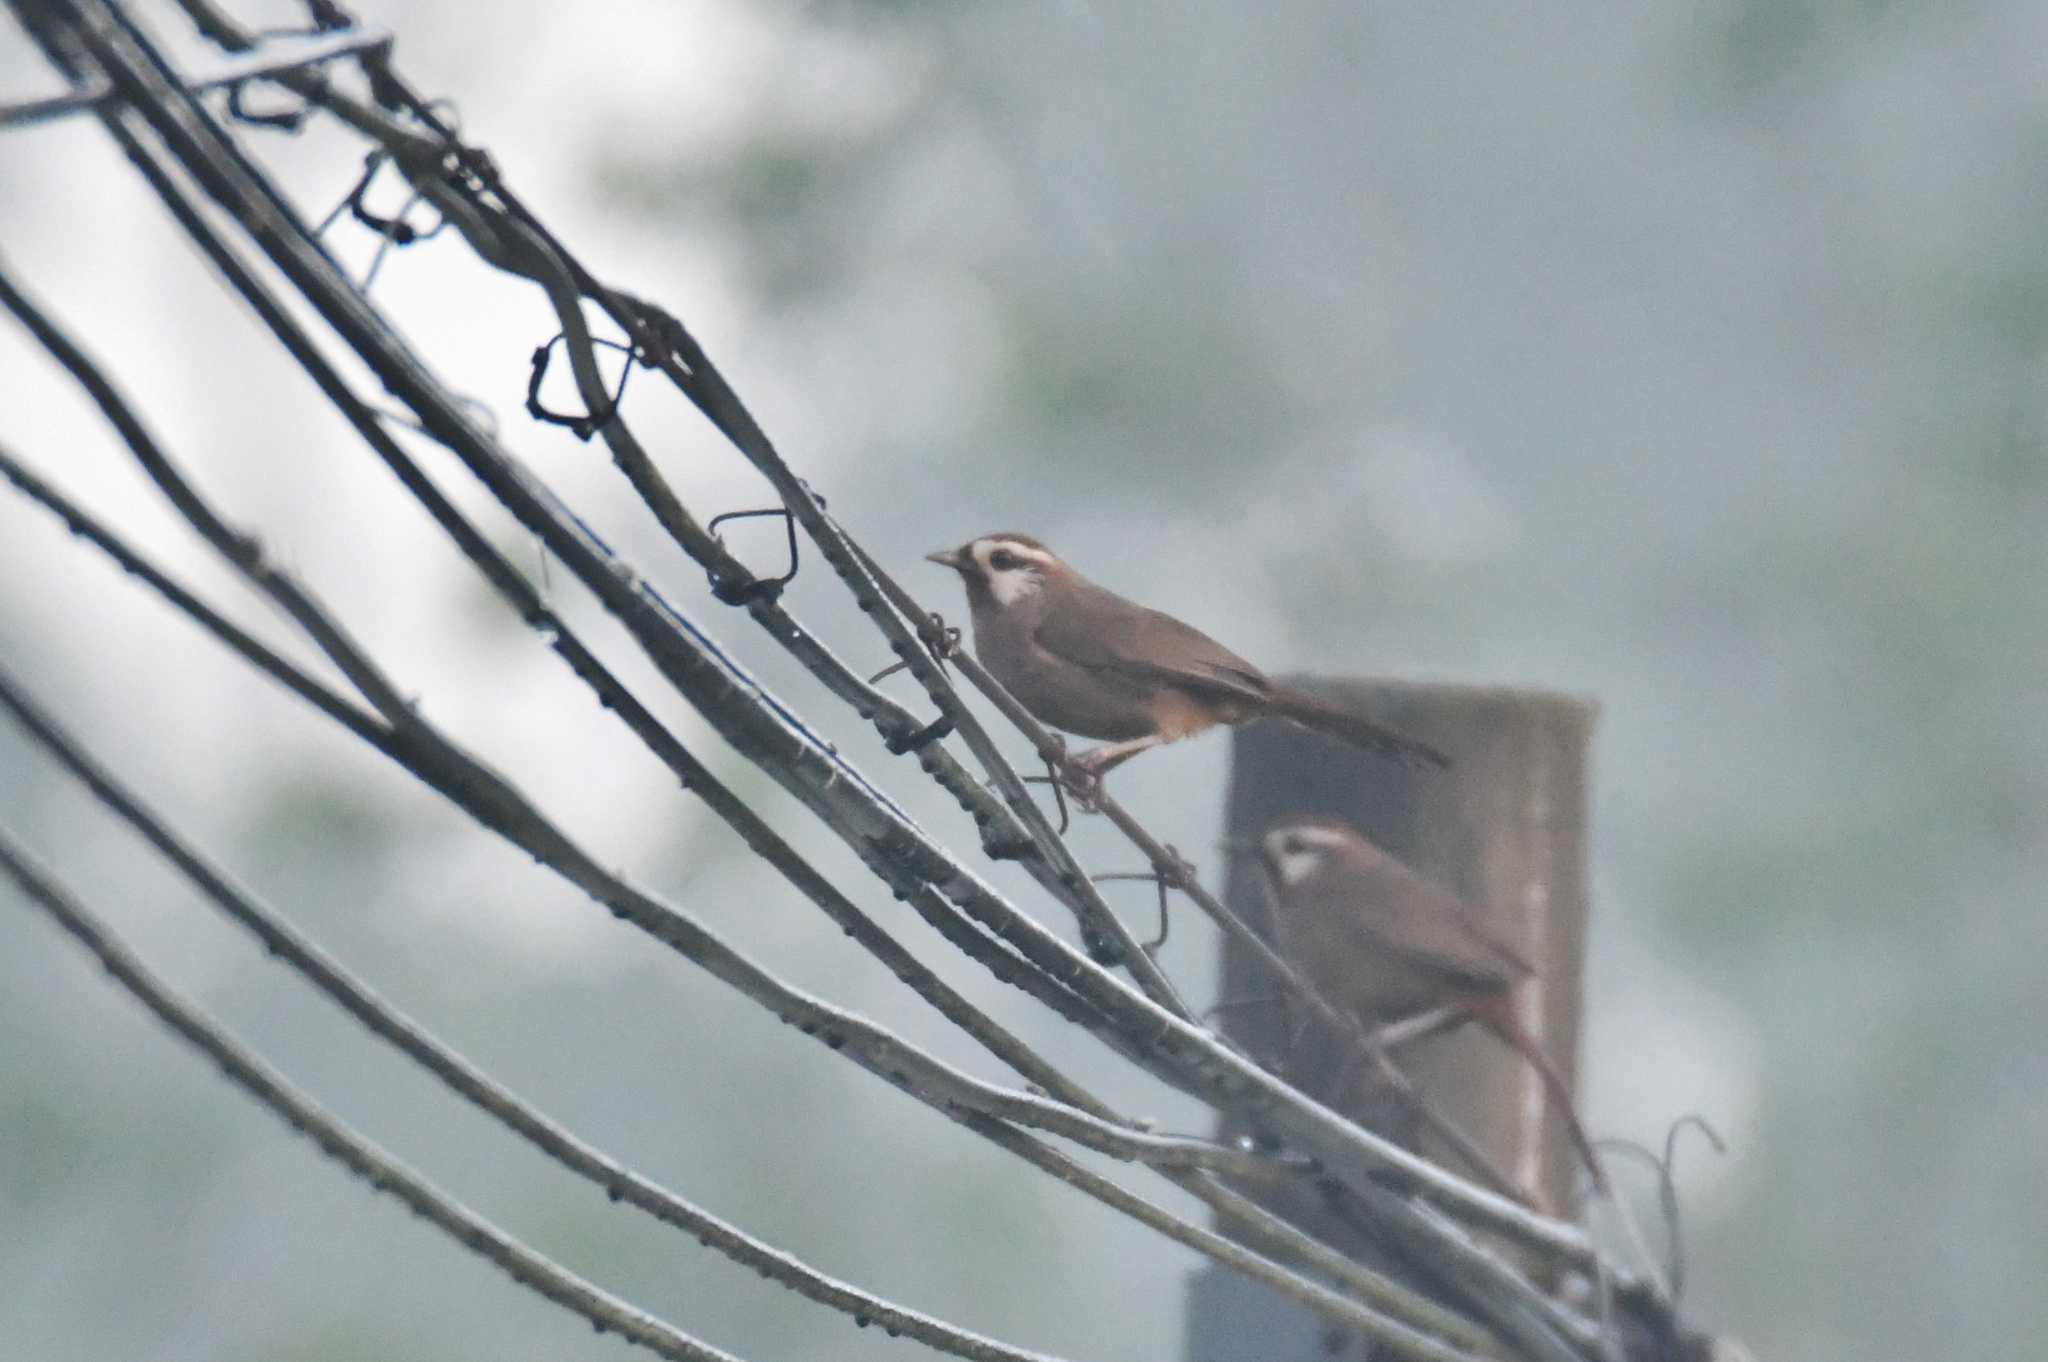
x,y
1001,568
1296,849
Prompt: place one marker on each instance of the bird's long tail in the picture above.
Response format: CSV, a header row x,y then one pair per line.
x,y
1313,712
1497,1014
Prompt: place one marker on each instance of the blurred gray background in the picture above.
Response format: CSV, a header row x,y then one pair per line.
x,y
1684,356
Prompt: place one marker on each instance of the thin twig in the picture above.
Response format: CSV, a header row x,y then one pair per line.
x,y
1403,1302
339,708
1400,1338
557,1141
855,808
495,802
1190,1057
658,927
606,1312
693,774
1343,1157
244,552
303,52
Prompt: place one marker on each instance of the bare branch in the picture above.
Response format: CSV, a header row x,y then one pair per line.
x,y
1404,1303
82,523
557,1141
299,52
524,1265
1401,1199
244,552
767,730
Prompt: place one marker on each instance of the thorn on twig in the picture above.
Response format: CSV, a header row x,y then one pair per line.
x,y
328,16
283,120
1178,872
1173,874
586,424
1017,848
1665,1167
355,193
1692,1120
288,120
1059,792
939,639
1668,1190
746,592
664,337
896,853
922,738
1151,947
395,230
734,592
1102,950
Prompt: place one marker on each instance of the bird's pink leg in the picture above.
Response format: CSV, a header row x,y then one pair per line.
x,y
1099,761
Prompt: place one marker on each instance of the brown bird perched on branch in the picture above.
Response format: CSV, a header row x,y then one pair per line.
x,y
1086,660
1379,940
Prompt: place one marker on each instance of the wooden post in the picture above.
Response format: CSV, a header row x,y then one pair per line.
x,y
1505,828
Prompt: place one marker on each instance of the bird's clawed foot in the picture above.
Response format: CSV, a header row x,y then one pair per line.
x,y
1395,1035
1082,780
940,639
1082,774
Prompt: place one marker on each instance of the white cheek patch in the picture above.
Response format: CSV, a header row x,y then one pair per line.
x,y
1014,585
1295,866
1297,853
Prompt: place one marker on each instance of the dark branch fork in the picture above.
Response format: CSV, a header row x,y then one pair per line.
x,y
537,617
916,646
671,930
98,48
297,52
548,264
1292,1245
525,1266
422,115
620,1183
504,233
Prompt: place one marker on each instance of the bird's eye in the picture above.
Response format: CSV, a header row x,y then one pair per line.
x,y
1002,560
1294,846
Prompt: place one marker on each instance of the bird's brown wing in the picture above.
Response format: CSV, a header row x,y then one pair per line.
x,y
1123,641
1419,920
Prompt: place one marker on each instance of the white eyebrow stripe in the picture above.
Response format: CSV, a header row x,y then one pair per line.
x,y
1310,833
983,549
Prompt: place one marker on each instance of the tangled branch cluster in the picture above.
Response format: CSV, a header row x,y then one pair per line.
x,y
1462,1297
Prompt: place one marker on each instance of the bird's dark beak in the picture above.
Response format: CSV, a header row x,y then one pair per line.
x,y
955,559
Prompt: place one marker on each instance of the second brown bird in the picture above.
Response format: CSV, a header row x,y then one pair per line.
x,y
1377,939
